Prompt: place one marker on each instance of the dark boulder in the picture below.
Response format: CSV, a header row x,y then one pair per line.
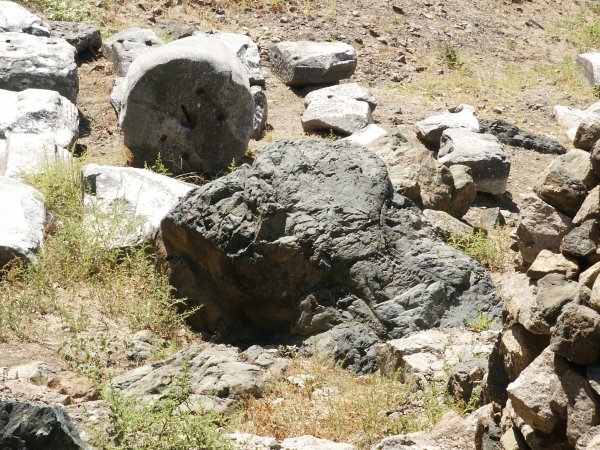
x,y
510,134
310,237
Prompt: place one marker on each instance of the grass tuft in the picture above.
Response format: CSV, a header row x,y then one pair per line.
x,y
492,250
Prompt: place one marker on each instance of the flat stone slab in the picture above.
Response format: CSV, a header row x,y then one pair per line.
x,y
144,196
36,126
304,63
15,18
341,114
367,135
590,64
38,62
430,129
80,35
489,163
348,90
123,48
22,219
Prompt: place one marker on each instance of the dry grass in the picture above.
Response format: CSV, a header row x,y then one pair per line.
x,y
337,405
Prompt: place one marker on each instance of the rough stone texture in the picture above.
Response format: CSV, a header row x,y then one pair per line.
x,y
190,101
349,90
340,114
590,63
483,218
80,35
126,46
36,126
583,409
594,301
512,135
425,355
143,196
15,18
542,407
540,226
430,130
519,348
77,387
590,208
576,335
595,158
245,441
498,378
590,440
39,63
317,230
22,219
465,191
547,262
588,132
313,443
446,225
142,345
489,163
304,63
566,181
261,112
465,380
589,276
219,376
116,94
568,117
581,241
31,426
366,135
36,372
246,51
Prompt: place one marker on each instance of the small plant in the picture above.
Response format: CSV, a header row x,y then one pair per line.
x,y
491,250
171,422
451,57
158,166
67,10
232,167
481,322
89,356
331,136
596,90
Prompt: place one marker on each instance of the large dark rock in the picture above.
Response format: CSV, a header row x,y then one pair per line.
x,y
510,134
33,426
310,237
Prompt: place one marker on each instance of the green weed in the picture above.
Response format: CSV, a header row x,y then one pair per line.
x,y
492,250
451,57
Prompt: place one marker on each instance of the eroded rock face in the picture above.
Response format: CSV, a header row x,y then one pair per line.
x,y
38,62
125,47
14,17
311,237
190,101
80,35
430,129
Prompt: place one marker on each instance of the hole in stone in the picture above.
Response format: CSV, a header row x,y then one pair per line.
x,y
221,118
149,43
199,91
163,138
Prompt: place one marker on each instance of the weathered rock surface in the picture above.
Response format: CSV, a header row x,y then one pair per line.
x,y
446,225
242,441
483,218
36,126
15,18
31,426
576,335
140,197
430,130
126,46
366,135
520,347
540,227
595,159
566,181
36,372
22,219
489,163
583,409
190,101
349,90
590,63
317,229
261,112
590,440
39,63
512,135
340,114
465,190
588,132
304,63
219,375
581,241
80,35
547,262
590,208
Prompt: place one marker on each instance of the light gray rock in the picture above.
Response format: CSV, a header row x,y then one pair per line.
x,y
304,63
576,335
141,196
318,206
39,63
190,101
590,208
366,135
116,94
590,440
446,225
430,129
590,64
568,117
588,132
547,262
36,372
126,46
349,90
489,163
589,276
15,18
261,112
219,376
245,441
483,218
340,114
80,35
246,51
520,347
539,407
313,443
142,345
22,220
540,226
566,181
36,129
